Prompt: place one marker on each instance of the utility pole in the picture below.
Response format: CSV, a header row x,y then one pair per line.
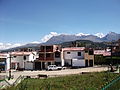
x,y
9,77
111,55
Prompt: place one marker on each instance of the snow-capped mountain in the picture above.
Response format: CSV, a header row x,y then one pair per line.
x,y
82,34
111,36
100,35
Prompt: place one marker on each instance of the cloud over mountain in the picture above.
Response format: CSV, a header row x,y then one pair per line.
x,y
8,45
47,37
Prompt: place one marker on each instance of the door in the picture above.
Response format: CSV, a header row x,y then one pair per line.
x,y
86,63
43,65
91,63
37,65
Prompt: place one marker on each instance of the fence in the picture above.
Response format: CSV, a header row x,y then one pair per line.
x,y
4,83
112,84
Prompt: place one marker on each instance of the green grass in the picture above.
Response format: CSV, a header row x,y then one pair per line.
x,y
91,81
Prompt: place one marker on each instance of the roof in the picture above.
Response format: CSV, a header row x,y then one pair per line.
x,y
21,53
74,49
3,55
102,52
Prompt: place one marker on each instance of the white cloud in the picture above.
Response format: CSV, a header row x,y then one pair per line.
x,y
82,34
35,42
1,44
8,45
16,45
47,37
100,35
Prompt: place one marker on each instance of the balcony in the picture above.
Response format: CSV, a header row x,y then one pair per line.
x,y
49,48
51,59
41,58
46,49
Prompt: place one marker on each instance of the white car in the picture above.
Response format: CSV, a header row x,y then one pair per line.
x,y
54,67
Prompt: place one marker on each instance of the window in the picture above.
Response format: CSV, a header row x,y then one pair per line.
x,y
15,56
49,63
24,57
79,53
86,51
42,48
91,52
48,55
48,47
41,55
68,52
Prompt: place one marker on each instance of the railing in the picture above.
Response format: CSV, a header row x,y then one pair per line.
x,y
4,83
111,83
20,78
7,82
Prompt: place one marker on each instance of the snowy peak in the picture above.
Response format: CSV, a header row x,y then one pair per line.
x,y
100,35
82,34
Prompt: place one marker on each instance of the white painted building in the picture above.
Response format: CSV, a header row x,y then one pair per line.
x,y
4,62
73,56
23,60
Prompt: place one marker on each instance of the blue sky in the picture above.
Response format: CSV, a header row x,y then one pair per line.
x,y
23,21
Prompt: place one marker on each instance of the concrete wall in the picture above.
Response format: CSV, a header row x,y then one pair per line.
x,y
73,54
29,65
20,60
78,63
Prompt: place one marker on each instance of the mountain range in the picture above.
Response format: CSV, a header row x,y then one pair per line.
x,y
58,39
112,36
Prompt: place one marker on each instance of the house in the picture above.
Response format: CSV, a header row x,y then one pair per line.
x,y
102,57
76,57
4,62
48,55
102,52
23,60
115,49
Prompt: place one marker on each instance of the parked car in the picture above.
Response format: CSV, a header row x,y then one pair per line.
x,y
54,67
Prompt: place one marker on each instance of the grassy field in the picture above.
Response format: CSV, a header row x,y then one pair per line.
x,y
91,81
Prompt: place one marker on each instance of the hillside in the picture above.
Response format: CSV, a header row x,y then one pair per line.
x,y
84,43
